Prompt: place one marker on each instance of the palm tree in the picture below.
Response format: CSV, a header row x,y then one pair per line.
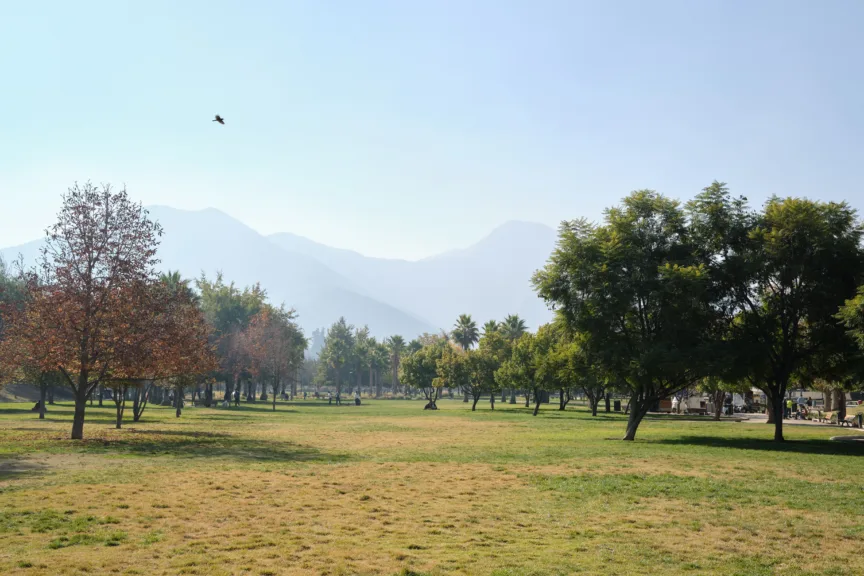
x,y
490,327
178,285
465,332
397,348
513,327
379,359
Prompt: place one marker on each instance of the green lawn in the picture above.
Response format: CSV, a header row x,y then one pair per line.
x,y
386,488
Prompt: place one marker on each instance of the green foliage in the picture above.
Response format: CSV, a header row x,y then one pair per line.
x,y
783,273
420,369
513,327
465,332
453,369
337,353
634,288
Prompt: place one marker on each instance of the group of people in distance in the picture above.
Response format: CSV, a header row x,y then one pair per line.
x,y
338,398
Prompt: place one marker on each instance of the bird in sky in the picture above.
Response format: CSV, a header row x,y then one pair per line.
x,y
219,119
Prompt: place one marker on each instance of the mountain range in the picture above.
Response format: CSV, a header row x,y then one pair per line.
x,y
488,280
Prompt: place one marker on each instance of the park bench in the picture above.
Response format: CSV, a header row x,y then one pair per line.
x,y
825,416
851,421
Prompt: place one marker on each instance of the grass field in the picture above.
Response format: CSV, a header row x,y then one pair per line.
x,y
386,488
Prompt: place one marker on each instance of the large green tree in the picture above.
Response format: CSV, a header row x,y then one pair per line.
x,y
781,274
634,289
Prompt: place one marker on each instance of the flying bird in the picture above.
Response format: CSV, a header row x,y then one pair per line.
x,y
219,119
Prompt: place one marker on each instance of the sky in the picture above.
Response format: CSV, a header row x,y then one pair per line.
x,y
407,128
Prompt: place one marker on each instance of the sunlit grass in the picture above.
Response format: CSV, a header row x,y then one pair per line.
x,y
386,488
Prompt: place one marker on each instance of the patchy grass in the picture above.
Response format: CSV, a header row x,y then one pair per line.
x,y
386,488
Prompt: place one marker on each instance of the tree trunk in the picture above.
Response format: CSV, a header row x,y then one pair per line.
x,y
829,399
512,396
275,393
609,407
638,410
593,402
503,396
562,403
492,400
81,395
474,405
718,397
536,402
527,399
178,401
841,408
775,406
51,394
140,398
101,394
120,403
43,392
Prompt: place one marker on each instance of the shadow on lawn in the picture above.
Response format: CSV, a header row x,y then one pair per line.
x,y
815,446
194,444
13,468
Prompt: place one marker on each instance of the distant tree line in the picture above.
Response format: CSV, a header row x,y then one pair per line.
x,y
656,299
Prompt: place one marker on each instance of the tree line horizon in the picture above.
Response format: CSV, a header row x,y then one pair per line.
x,y
657,298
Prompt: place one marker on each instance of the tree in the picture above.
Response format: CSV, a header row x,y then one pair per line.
x,y
12,296
513,327
361,354
22,357
454,372
96,257
229,310
277,346
572,363
493,351
420,370
379,360
524,369
176,351
465,332
337,352
396,345
636,292
490,326
786,270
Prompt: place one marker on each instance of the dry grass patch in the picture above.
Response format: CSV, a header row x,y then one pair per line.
x,y
388,489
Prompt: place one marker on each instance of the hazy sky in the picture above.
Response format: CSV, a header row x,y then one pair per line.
x,y
409,127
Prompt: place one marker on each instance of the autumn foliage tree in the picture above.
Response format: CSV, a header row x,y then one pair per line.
x,y
174,351
85,291
276,345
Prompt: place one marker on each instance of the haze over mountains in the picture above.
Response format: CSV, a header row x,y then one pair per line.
x,y
488,280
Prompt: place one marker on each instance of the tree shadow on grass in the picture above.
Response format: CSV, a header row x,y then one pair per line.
x,y
12,468
811,446
261,407
182,444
